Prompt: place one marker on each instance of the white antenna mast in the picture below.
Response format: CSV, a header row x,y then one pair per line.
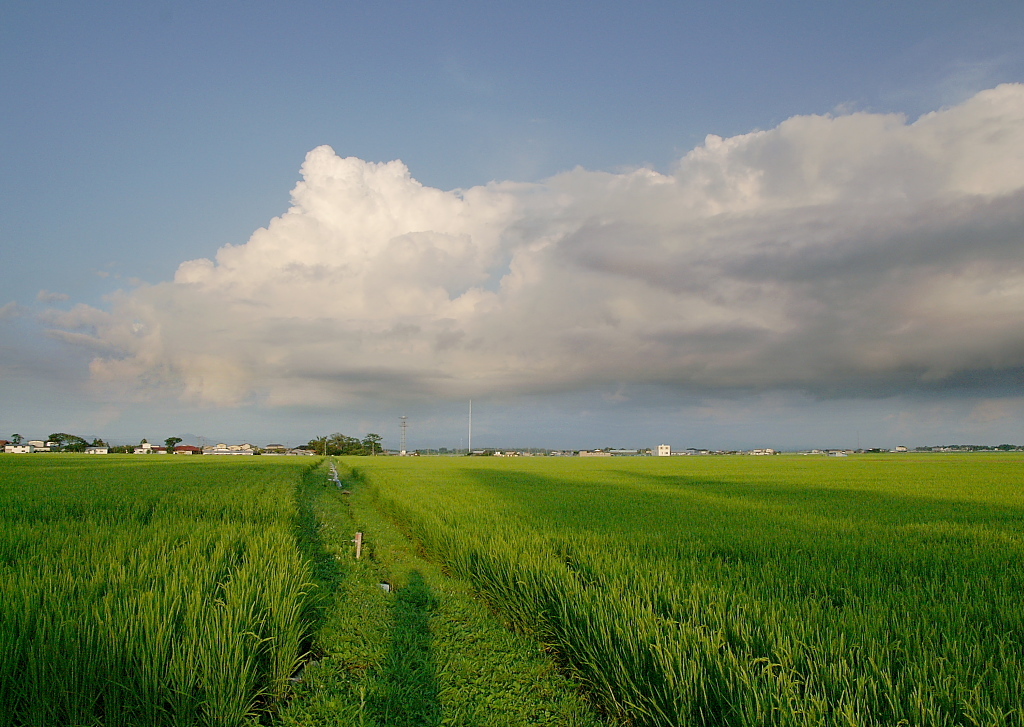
x,y
404,425
470,450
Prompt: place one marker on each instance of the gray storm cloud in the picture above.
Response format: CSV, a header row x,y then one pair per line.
x,y
858,254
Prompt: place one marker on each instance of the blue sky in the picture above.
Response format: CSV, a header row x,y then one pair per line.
x,y
135,138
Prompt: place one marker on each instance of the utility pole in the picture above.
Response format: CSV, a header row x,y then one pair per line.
x,y
470,450
405,423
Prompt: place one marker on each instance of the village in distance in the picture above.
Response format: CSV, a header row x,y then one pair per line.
x,y
373,445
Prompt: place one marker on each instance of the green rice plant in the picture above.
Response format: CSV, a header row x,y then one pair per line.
x,y
164,592
742,591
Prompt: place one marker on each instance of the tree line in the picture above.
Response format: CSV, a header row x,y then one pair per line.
x,y
339,444
73,443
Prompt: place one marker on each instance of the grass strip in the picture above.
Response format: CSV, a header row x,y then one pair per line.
x,y
426,653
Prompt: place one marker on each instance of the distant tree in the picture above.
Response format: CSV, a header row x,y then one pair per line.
x,y
344,445
15,439
339,444
170,442
372,442
68,442
98,443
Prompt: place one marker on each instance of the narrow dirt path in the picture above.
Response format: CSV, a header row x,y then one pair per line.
x,y
400,643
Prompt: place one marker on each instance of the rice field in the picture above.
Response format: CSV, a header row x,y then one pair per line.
x,y
873,590
148,590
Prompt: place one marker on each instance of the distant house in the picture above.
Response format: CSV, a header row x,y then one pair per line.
x,y
762,452
900,448
40,445
595,453
275,449
144,448
187,449
97,450
19,448
664,450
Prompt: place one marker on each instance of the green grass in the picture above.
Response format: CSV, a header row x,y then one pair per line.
x,y
427,653
740,591
148,591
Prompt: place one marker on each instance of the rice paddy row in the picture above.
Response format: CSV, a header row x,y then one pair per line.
x,y
777,591
691,591
148,593
139,592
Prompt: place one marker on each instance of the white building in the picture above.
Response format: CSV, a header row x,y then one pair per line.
x,y
97,450
664,450
19,448
223,448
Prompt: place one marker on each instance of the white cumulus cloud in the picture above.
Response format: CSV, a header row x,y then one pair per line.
x,y
854,254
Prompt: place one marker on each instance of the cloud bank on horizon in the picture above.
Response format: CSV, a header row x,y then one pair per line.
x,y
851,255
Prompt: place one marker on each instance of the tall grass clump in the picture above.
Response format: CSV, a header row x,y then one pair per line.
x,y
165,591
740,591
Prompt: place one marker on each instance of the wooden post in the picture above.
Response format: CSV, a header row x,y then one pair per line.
x,y
359,545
